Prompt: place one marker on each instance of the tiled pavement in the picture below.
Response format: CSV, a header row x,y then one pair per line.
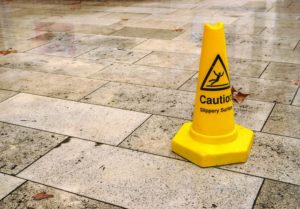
x,y
97,90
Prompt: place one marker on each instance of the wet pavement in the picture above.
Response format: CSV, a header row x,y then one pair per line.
x,y
97,89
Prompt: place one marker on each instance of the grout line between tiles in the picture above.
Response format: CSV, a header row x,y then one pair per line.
x,y
118,145
190,78
295,95
263,126
63,141
298,44
264,71
14,188
258,193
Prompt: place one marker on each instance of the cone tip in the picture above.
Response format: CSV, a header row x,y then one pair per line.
x,y
217,26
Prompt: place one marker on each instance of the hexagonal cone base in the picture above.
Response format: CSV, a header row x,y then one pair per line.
x,y
206,155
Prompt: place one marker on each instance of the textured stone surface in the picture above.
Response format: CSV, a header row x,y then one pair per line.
x,y
136,180
22,198
282,71
147,33
278,195
273,157
144,75
50,64
8,184
22,146
144,99
102,124
171,60
115,55
59,86
4,94
169,46
284,120
154,136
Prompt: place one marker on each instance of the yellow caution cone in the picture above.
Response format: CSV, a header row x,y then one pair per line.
x,y
212,138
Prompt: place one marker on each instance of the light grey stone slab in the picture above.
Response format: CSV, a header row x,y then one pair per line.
x,y
144,75
51,64
63,48
59,86
141,10
138,180
171,60
115,55
8,184
281,32
246,68
273,157
102,124
261,41
22,146
6,94
263,54
284,120
297,99
22,198
148,33
282,71
110,41
144,99
154,136
265,90
169,46
252,114
278,195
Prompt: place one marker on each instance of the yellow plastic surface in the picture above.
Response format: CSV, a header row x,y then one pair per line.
x,y
212,138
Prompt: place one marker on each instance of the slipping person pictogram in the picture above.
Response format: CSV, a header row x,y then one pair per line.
x,y
213,81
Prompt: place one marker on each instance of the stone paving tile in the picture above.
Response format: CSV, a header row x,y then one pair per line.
x,y
169,46
284,120
144,75
4,94
282,71
22,198
101,124
259,41
252,114
266,90
63,48
115,55
76,45
246,68
126,15
278,195
8,184
59,86
80,28
153,100
137,180
147,33
110,41
154,136
154,24
152,10
51,64
297,99
274,157
281,32
263,54
171,60
19,44
22,146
